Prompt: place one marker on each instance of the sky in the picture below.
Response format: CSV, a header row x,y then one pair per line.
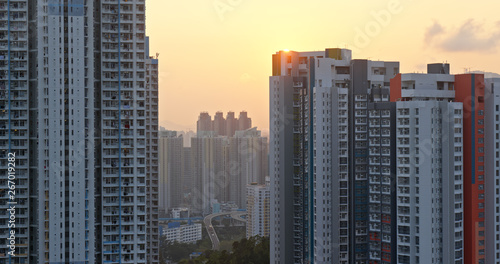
x,y
215,55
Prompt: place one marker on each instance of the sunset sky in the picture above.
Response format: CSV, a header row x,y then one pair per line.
x,y
215,55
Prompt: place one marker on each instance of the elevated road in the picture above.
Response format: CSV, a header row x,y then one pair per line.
x,y
237,215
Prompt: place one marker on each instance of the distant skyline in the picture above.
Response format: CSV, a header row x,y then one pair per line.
x,y
216,55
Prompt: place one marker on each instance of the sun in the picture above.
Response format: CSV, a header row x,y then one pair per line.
x,y
286,50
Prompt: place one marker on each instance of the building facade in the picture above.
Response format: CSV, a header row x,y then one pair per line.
x,y
258,210
210,180
190,233
223,127
491,196
430,168
171,170
470,90
319,133
247,163
80,111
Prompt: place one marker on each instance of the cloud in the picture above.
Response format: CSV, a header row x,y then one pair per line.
x,y
469,37
434,30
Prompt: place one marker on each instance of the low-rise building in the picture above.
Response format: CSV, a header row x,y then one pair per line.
x,y
189,233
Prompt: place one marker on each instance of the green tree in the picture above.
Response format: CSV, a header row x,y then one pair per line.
x,y
254,250
175,251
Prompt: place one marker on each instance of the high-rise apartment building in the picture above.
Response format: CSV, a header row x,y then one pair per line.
x,y
319,105
382,210
370,83
152,156
80,99
15,133
204,123
171,170
247,162
210,180
258,209
491,196
470,90
330,128
291,187
231,124
219,124
429,189
430,168
223,127
244,122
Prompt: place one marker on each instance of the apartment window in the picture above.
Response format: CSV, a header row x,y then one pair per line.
x,y
480,140
480,121
480,131
480,150
481,186
480,178
480,112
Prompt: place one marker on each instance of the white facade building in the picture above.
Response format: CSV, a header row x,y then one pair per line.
x,y
492,168
331,128
258,210
429,171
315,144
429,185
88,131
183,233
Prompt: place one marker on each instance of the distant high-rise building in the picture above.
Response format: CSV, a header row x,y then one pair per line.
x,y
204,122
223,127
258,210
214,169
244,122
187,174
187,135
171,168
231,124
219,124
210,180
79,95
247,163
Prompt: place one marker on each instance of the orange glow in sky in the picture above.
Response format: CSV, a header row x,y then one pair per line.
x,y
215,55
